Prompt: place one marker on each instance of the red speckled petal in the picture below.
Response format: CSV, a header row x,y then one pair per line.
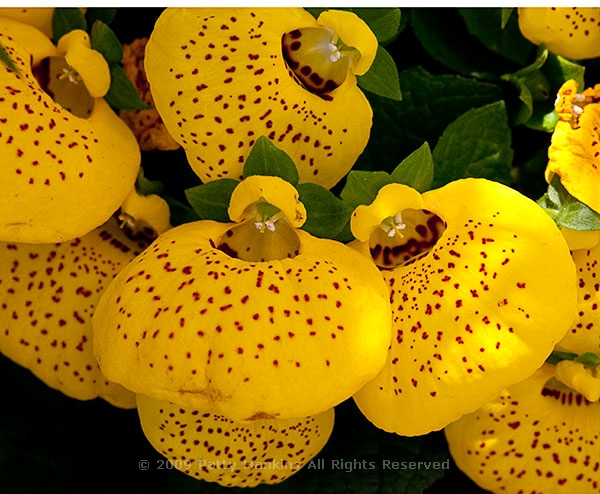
x,y
219,81
571,32
214,448
479,312
48,293
584,334
63,176
188,324
537,436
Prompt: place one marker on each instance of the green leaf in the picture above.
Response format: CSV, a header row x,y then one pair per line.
x,y
210,201
429,104
476,144
384,22
6,60
326,215
180,213
588,358
104,14
486,25
567,211
66,20
362,187
146,187
122,93
382,78
416,170
556,356
443,33
267,159
106,42
506,13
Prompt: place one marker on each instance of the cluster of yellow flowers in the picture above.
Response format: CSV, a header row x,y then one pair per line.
x,y
236,341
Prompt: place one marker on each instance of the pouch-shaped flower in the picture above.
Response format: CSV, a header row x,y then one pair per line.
x,y
584,334
571,32
213,448
63,175
482,286
254,319
48,293
537,436
572,154
222,77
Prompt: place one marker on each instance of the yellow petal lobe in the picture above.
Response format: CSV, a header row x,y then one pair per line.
x,y
579,378
219,81
48,293
570,32
64,175
477,307
88,63
38,17
536,436
213,448
187,323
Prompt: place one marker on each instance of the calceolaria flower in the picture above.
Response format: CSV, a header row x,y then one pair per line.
x,y
69,160
213,448
584,333
571,32
482,286
223,77
573,153
48,293
252,319
146,124
537,436
38,17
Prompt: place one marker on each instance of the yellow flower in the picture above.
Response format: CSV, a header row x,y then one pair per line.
x,y
213,448
254,319
570,32
221,78
573,153
537,436
63,174
482,287
146,124
48,293
584,333
38,17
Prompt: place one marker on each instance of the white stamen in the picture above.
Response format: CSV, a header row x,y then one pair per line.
x,y
266,224
393,226
334,54
70,74
577,110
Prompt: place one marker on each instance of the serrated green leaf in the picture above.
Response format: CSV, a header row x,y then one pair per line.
x,y
567,211
210,201
429,104
384,22
122,93
382,78
267,159
476,144
106,42
326,215
66,20
362,187
416,170
486,25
